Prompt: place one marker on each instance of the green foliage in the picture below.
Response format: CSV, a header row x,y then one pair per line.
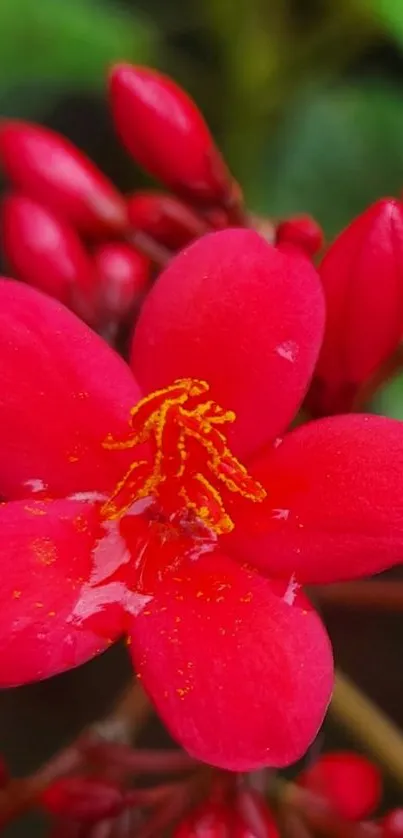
x,y
68,41
337,150
389,13
388,401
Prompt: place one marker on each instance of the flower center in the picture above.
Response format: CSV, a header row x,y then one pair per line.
x,y
190,460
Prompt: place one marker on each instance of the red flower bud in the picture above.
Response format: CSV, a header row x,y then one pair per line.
x,y
82,799
46,252
301,231
363,284
393,824
349,782
52,170
209,820
165,219
123,275
165,132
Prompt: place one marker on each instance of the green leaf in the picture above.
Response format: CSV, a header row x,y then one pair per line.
x,y
69,41
388,401
336,151
390,14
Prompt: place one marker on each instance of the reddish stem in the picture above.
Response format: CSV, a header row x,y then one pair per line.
x,y
382,595
142,761
158,254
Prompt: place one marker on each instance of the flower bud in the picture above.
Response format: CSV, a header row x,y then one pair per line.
x,y
363,284
301,231
209,820
45,252
82,799
166,134
350,783
392,824
124,275
50,169
165,219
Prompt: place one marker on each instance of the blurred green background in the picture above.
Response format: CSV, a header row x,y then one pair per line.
x,y
306,100
305,96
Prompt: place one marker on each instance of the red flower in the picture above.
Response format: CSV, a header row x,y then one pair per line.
x,y
128,515
363,285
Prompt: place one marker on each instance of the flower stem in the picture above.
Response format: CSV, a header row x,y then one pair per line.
x,y
121,724
369,726
314,812
382,595
158,254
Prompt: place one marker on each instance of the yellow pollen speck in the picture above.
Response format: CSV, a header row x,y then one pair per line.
x,y
35,510
199,594
44,550
247,598
72,458
51,613
17,594
182,692
191,459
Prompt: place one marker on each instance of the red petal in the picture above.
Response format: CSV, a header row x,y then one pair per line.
x,y
231,303
50,551
334,502
166,133
363,284
52,170
62,391
240,673
349,782
47,253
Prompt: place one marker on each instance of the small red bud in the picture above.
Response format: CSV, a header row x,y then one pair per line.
x,y
209,820
45,252
392,824
363,285
124,275
301,231
82,799
50,169
165,219
165,132
350,783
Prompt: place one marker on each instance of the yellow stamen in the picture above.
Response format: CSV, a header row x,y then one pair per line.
x,y
185,443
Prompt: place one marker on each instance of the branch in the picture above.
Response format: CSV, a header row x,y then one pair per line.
x,y
121,725
369,726
382,595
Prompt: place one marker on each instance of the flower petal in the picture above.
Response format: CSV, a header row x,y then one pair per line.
x,y
231,302
55,607
62,390
334,507
240,670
